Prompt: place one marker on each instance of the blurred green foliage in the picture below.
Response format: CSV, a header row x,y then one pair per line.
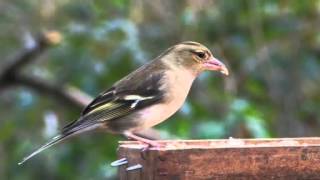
x,y
272,49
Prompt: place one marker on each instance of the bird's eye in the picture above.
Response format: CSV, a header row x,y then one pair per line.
x,y
201,55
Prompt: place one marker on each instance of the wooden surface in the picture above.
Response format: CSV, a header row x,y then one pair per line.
x,y
296,158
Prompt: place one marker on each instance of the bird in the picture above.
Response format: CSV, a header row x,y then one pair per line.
x,y
145,97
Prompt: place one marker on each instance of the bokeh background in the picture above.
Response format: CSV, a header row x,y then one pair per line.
x,y
80,48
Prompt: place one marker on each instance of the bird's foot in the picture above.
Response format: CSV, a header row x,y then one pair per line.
x,y
152,144
149,143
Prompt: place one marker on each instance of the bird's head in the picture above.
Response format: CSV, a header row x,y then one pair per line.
x,y
195,56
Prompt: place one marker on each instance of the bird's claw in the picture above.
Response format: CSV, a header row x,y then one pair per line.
x,y
152,145
146,148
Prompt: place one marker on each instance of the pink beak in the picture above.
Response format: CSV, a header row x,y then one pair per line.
x,y
214,64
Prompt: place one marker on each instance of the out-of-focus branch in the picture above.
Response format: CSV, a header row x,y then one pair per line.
x,y
11,73
65,95
28,55
11,76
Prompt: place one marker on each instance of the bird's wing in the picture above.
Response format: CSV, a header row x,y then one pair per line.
x,y
120,100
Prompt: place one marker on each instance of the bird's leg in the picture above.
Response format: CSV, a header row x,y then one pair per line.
x,y
149,142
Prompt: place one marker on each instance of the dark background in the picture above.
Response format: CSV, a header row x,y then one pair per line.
x,y
271,47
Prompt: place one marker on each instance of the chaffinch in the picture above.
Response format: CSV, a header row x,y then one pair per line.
x,y
145,97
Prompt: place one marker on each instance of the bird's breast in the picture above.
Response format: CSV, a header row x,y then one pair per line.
x,y
176,86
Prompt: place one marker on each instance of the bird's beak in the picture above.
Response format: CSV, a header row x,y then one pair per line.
x,y
214,64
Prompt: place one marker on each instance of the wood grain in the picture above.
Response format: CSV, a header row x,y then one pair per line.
x,y
285,158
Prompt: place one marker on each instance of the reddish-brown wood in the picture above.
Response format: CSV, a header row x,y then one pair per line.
x,y
286,158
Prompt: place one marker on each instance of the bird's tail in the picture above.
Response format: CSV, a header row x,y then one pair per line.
x,y
53,141
65,134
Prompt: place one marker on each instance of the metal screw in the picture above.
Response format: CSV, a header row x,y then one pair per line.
x,y
119,162
134,167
